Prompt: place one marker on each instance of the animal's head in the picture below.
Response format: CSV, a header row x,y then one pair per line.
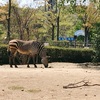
x,y
45,61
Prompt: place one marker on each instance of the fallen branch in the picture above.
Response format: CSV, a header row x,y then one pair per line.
x,y
80,84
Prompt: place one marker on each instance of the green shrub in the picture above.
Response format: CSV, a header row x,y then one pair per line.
x,y
3,54
70,54
97,44
58,54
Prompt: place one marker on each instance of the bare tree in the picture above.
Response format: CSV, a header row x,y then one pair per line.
x,y
24,18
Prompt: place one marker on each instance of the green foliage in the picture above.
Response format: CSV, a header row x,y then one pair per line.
x,y
59,43
58,54
67,22
97,44
33,23
1,29
78,25
1,32
70,54
3,55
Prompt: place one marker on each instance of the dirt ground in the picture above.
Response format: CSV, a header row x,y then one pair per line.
x,y
62,81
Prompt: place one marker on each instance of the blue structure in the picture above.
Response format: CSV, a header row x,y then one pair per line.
x,y
61,38
70,38
66,38
79,32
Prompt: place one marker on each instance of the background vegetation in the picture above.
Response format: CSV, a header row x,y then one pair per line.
x,y
53,20
55,54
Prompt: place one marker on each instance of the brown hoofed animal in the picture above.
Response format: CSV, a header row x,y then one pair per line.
x,y
30,48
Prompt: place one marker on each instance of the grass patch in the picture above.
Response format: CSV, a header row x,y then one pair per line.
x,y
16,88
34,90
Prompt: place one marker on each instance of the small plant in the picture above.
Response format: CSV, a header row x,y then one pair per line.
x,y
16,88
34,90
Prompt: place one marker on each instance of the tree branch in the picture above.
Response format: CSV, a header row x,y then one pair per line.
x,y
80,84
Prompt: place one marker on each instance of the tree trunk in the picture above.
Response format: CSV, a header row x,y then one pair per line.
x,y
45,6
27,29
86,37
57,28
53,31
21,33
9,13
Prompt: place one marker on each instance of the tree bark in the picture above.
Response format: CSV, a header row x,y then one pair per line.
x,y
86,37
9,13
57,28
53,31
27,29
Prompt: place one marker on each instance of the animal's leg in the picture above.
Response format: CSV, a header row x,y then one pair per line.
x,y
34,56
29,57
10,62
14,62
12,54
10,58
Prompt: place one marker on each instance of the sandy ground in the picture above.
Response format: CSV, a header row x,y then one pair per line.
x,y
48,83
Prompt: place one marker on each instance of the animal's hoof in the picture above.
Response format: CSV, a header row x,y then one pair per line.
x,y
28,66
11,67
35,66
16,67
46,66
